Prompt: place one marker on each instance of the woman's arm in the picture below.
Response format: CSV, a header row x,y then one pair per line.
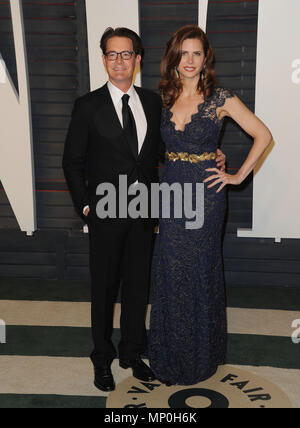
x,y
251,124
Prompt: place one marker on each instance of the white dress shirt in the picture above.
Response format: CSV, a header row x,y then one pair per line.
x,y
136,108
137,111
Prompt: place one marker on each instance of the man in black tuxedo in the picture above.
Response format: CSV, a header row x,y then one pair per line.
x,y
115,131
100,145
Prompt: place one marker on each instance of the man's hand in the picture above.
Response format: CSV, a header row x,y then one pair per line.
x,y
221,160
86,211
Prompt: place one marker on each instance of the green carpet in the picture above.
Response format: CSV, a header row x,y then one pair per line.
x,y
62,353
11,401
77,342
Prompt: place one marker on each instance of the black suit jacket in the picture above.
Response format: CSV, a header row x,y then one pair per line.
x,y
96,149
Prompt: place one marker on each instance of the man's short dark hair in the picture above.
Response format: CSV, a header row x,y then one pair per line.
x,y
122,32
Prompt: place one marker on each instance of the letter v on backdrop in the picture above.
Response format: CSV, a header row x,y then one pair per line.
x,y
16,147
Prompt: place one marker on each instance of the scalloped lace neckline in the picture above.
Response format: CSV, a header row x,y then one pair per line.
x,y
171,115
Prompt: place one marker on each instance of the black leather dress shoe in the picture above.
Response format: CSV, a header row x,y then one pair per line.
x,y
139,369
104,379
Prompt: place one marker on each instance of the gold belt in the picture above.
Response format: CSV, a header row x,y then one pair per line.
x,y
192,158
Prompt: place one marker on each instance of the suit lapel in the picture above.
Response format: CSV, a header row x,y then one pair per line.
x,y
106,118
147,111
114,122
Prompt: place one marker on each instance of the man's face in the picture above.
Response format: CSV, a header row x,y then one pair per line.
x,y
120,71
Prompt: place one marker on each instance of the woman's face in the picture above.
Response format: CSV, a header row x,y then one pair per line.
x,y
192,59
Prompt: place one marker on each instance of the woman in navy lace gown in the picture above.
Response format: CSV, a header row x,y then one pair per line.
x,y
188,329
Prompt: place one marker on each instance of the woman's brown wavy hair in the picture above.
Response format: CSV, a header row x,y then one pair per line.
x,y
171,86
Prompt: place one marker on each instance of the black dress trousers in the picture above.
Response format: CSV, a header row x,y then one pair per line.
x,y
120,252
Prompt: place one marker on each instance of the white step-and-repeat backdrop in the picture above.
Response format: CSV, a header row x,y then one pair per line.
x,y
276,197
